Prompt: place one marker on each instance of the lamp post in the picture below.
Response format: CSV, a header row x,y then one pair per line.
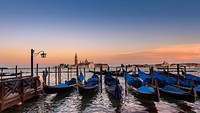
x,y
43,55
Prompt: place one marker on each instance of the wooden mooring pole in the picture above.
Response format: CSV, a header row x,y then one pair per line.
x,y
134,73
55,75
152,75
37,70
49,77
126,89
68,73
35,85
2,93
168,71
185,71
101,78
77,78
59,75
84,74
46,73
44,78
16,70
178,83
21,86
84,71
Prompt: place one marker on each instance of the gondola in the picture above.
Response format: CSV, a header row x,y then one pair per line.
x,y
119,73
89,86
195,78
185,79
60,88
163,80
167,87
140,88
186,84
113,86
177,93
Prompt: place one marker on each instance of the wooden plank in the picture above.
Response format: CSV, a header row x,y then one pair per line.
x,y
27,92
10,101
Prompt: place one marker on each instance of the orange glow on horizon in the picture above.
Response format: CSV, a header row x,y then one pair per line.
x,y
176,53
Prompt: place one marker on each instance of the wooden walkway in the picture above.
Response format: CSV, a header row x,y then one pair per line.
x,y
16,90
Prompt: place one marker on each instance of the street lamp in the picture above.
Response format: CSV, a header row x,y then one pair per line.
x,y
43,55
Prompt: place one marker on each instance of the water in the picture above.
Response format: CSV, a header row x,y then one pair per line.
x,y
102,103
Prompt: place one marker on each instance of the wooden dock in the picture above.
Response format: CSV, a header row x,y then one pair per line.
x,y
16,90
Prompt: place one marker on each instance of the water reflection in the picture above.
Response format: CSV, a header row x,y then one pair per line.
x,y
87,100
61,96
115,103
182,105
148,105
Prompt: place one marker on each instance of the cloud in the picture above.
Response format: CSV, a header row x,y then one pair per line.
x,y
175,53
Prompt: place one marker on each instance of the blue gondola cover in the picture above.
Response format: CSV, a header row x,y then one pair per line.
x,y
81,77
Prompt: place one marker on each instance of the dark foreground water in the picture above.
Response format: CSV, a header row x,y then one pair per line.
x,y
103,103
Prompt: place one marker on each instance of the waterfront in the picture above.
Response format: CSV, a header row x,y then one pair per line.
x,y
70,33
102,102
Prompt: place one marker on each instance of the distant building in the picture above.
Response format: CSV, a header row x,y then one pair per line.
x,y
174,65
86,64
75,60
63,65
99,65
162,65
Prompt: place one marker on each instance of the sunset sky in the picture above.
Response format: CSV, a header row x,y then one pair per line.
x,y
103,31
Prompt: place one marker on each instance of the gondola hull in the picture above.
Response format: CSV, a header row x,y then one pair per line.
x,y
183,96
83,90
189,89
197,88
153,96
198,93
56,89
137,85
115,91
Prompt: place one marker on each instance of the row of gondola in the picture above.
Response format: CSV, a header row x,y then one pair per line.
x,y
142,84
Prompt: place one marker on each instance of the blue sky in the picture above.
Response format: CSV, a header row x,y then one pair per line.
x,y
96,29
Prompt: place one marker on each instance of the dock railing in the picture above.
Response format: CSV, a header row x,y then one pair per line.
x,y
17,90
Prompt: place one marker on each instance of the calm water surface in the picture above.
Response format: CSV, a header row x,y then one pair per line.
x,y
102,102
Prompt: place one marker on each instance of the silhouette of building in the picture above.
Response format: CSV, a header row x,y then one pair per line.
x,y
86,64
98,65
76,60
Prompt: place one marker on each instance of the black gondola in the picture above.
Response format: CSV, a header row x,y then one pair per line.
x,y
178,93
186,85
166,88
60,88
113,86
140,88
91,86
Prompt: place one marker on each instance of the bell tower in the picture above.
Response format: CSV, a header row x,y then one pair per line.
x,y
76,59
